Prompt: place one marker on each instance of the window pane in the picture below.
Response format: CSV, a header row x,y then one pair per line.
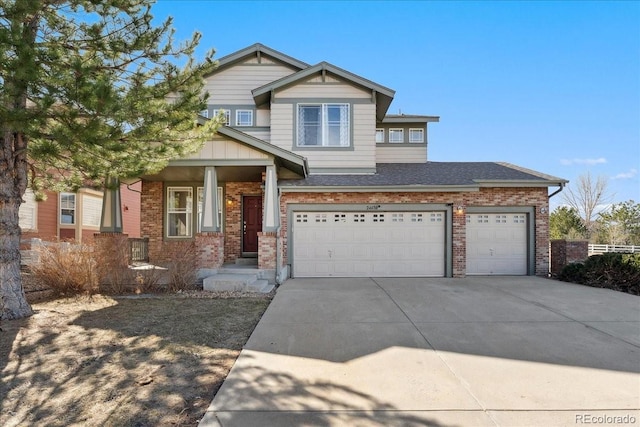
x,y
309,125
379,135
416,135
244,118
179,211
91,211
396,135
67,208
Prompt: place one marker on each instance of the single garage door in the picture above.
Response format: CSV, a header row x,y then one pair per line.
x,y
368,244
497,244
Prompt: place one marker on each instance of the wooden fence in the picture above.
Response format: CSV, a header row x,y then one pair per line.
x,y
600,249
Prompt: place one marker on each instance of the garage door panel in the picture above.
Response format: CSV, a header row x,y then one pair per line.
x,y
383,244
496,244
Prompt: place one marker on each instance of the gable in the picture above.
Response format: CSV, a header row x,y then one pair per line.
x,y
323,86
221,148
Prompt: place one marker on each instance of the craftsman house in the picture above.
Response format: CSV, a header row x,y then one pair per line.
x,y
311,177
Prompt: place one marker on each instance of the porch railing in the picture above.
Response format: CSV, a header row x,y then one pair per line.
x,y
139,249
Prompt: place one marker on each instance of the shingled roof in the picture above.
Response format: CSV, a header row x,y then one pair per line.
x,y
438,175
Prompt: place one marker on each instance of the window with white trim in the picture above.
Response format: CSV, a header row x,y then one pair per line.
x,y
323,125
200,193
91,210
244,117
205,113
396,135
67,208
28,213
379,135
179,211
416,135
226,114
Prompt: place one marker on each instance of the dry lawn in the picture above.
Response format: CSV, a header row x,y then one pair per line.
x,y
154,361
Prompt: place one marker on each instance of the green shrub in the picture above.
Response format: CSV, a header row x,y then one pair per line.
x,y
617,271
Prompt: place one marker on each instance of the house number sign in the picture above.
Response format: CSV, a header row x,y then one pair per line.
x,y
373,207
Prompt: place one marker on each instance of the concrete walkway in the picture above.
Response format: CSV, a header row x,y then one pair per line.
x,y
480,351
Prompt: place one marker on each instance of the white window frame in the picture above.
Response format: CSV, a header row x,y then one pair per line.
x,y
187,211
396,131
91,214
379,135
241,123
28,213
411,134
325,125
205,113
73,209
200,195
227,116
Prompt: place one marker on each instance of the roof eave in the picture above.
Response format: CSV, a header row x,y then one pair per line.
x,y
519,183
378,188
239,55
411,119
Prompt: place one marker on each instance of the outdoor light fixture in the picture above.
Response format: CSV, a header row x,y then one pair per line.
x,y
460,209
543,210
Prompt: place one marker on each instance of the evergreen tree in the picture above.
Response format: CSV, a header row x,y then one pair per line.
x,y
88,89
565,223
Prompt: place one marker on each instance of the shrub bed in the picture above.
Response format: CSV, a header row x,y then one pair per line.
x,y
617,271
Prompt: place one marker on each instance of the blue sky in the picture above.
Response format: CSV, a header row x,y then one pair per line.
x,y
552,86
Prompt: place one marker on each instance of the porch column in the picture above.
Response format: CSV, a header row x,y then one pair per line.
x,y
111,218
210,202
271,217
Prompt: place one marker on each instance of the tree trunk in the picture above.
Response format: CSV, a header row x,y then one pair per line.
x,y
13,302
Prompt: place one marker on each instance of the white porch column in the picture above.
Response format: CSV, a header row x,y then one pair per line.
x,y
111,218
271,217
210,201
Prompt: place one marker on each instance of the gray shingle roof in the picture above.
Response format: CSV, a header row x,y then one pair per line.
x,y
434,174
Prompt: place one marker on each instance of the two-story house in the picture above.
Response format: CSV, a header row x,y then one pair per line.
x,y
313,178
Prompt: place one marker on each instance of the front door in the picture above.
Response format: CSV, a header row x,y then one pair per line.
x,y
251,223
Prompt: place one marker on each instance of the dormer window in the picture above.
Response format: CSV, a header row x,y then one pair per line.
x,y
244,117
323,125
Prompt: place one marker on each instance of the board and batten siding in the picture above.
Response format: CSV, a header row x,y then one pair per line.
x,y
233,85
226,149
362,155
387,153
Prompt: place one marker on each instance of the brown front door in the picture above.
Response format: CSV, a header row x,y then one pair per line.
x,y
251,222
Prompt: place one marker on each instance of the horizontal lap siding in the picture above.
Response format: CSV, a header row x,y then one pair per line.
x,y
390,154
327,90
233,86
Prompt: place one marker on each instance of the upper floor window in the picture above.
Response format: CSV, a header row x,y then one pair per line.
x,y
323,125
379,135
416,135
205,113
226,114
67,208
396,135
244,117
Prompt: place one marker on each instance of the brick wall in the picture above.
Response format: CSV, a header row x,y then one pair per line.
x,y
503,197
151,202
565,252
210,250
267,250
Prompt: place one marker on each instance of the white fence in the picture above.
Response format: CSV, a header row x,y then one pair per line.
x,y
600,249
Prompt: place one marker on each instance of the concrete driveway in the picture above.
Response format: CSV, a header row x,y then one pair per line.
x,y
480,351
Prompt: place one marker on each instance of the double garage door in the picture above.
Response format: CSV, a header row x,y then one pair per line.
x,y
368,244
397,244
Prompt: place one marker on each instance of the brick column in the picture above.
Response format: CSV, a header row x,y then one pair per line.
x,y
565,252
459,244
209,250
267,250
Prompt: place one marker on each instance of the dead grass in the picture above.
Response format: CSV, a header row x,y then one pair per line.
x,y
154,361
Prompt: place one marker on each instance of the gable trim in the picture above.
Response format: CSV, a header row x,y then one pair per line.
x,y
257,50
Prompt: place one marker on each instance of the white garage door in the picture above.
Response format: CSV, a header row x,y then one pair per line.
x,y
367,244
497,244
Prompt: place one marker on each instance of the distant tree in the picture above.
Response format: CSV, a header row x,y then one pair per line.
x,y
565,223
586,196
88,88
620,225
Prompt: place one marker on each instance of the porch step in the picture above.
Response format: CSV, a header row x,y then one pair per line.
x,y
247,261
236,283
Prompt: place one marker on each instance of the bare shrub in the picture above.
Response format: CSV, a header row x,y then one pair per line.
x,y
181,266
66,268
112,257
148,280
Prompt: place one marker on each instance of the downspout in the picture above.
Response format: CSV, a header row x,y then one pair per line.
x,y
557,191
